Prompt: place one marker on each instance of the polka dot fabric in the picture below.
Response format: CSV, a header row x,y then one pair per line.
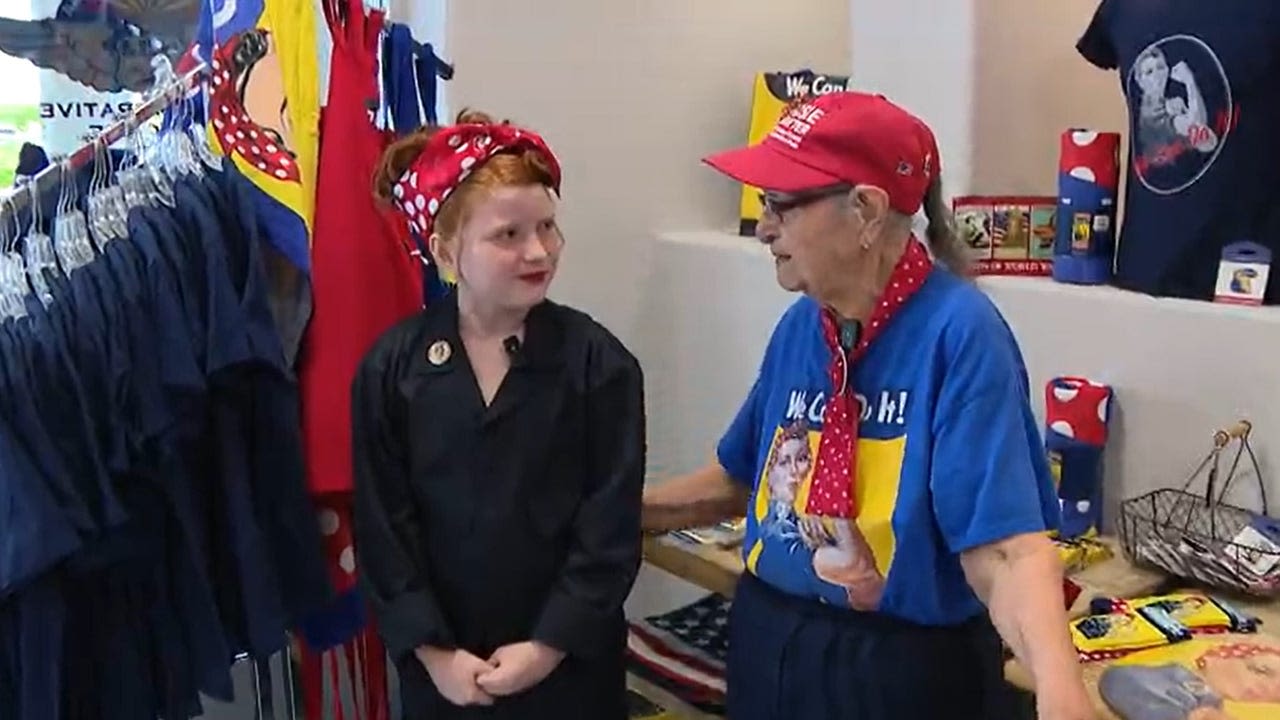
x,y
1078,408
831,493
1235,651
236,131
333,512
449,158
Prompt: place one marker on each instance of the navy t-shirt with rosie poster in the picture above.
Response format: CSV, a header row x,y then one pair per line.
x,y
1202,80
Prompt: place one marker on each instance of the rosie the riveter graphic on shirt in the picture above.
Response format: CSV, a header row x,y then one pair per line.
x,y
838,549
1223,677
949,457
264,59
1181,103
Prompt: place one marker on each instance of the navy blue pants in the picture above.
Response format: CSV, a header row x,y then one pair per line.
x,y
795,659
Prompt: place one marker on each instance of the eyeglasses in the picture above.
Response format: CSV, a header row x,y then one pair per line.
x,y
778,203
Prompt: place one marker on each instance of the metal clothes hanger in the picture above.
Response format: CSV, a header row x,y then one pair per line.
x,y
70,235
13,282
198,128
115,208
63,246
37,251
96,202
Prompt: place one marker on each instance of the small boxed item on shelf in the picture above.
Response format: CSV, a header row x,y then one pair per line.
x,y
774,92
1008,234
1243,274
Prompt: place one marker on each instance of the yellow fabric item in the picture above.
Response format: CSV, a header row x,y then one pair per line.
x,y
292,24
281,98
1116,631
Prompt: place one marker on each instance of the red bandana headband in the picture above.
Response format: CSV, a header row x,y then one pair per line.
x,y
449,158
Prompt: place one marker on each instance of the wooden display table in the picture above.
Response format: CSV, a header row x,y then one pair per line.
x,y
710,567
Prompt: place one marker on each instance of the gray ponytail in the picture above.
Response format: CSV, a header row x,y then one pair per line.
x,y
944,241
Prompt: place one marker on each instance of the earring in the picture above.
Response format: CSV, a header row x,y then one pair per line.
x,y
866,243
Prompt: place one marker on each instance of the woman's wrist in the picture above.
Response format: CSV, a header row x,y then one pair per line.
x,y
548,651
1064,692
431,654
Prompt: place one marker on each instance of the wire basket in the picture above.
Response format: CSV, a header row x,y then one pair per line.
x,y
1198,536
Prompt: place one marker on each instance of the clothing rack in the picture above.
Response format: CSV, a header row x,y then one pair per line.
x,y
169,88
48,179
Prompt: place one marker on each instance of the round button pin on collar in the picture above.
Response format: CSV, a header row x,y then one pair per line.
x,y
439,352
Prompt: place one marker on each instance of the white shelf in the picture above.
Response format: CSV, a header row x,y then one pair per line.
x,y
724,240
1180,368
1267,316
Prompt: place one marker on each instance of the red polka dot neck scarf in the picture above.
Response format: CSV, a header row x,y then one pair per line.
x,y
449,158
831,493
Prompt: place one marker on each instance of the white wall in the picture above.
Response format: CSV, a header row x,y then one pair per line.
x,y
923,54
630,95
998,80
1029,85
1181,369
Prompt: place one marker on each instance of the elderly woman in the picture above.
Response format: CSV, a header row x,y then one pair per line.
x,y
924,511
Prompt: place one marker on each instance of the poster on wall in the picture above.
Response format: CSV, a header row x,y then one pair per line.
x,y
73,67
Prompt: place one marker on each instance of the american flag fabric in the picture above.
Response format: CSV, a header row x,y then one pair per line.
x,y
684,652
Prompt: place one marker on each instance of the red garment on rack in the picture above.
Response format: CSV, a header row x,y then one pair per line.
x,y
363,280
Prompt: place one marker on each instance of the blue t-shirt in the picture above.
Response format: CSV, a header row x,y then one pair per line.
x,y
949,457
1202,80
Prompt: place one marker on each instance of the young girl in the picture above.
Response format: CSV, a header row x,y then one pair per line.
x,y
499,451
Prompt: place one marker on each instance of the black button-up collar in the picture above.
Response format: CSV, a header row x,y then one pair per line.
x,y
443,358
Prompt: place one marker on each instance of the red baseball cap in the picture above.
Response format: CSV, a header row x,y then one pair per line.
x,y
841,138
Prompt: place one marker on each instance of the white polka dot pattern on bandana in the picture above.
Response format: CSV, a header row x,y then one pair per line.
x,y
831,493
450,157
237,133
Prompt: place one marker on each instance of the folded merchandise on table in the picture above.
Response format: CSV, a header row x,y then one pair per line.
x,y
1117,627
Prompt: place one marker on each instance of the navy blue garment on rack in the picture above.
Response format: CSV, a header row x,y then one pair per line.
x,y
156,521
411,72
430,67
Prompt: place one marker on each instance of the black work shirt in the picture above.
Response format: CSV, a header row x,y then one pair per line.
x,y
478,526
